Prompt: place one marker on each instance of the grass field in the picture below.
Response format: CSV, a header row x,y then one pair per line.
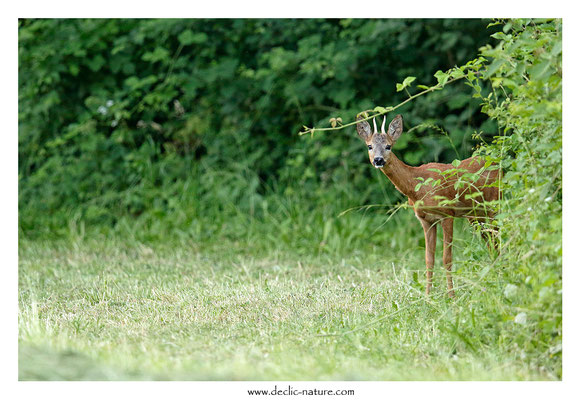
x,y
106,308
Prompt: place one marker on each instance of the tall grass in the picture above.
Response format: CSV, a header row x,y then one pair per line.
x,y
290,293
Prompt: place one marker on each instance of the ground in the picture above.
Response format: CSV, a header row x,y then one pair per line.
x,y
114,310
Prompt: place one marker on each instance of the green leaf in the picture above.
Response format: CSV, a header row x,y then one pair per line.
x,y
457,73
96,63
442,77
541,71
501,36
557,48
158,54
493,24
189,37
406,82
456,163
74,69
491,70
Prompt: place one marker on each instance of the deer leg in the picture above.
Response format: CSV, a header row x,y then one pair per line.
x,y
489,233
490,236
430,231
448,229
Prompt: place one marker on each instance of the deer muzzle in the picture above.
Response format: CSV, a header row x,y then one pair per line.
x,y
378,162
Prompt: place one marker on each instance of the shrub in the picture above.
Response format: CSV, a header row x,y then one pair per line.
x,y
128,119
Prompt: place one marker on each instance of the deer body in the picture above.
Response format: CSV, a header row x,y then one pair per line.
x,y
433,204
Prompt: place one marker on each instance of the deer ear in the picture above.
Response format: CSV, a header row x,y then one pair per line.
x,y
395,127
363,129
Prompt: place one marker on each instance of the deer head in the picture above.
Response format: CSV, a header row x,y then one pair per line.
x,y
380,143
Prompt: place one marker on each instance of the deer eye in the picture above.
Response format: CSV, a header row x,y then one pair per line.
x,y
369,147
388,147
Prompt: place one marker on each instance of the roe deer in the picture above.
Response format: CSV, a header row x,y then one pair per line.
x,y
440,202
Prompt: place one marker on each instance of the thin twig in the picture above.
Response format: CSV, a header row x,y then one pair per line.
x,y
387,109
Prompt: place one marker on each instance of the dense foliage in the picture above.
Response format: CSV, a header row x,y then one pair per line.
x,y
177,119
525,70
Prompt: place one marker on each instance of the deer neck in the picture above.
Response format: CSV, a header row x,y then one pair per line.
x,y
402,176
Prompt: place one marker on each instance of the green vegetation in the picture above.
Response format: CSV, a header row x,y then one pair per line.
x,y
173,225
116,310
173,121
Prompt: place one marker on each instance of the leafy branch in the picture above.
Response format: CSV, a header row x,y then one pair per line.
x,y
444,78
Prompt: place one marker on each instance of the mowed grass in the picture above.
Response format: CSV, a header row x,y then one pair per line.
x,y
110,309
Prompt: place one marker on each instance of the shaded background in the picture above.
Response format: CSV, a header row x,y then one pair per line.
x,y
182,125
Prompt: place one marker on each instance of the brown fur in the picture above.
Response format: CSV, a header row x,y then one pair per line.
x,y
427,201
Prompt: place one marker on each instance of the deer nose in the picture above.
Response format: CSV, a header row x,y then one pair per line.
x,y
378,161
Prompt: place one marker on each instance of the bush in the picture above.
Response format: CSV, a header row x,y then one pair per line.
x,y
167,119
525,72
